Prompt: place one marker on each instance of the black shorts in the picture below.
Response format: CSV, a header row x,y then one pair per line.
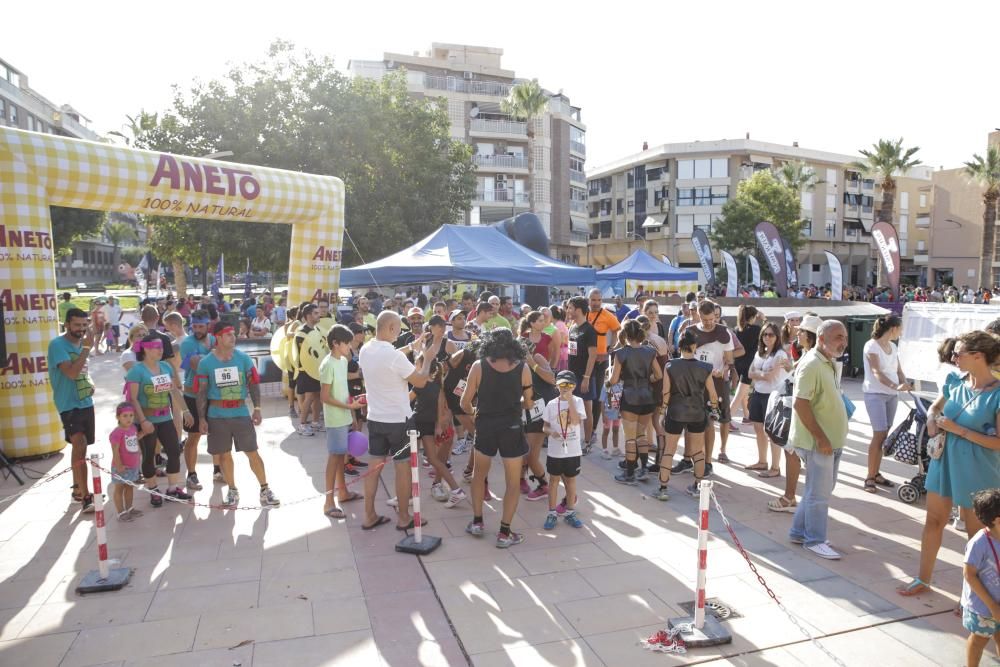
x,y
78,420
426,429
291,380
563,467
722,391
646,409
758,406
386,438
537,426
454,404
745,377
676,428
305,384
502,435
192,405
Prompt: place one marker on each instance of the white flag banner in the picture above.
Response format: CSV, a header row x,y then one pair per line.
x,y
754,272
666,260
732,280
836,277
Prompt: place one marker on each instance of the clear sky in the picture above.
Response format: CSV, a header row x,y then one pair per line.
x,y
833,77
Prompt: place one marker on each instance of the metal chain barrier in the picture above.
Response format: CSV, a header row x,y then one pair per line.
x,y
38,483
760,578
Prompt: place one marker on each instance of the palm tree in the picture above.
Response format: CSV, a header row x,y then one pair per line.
x,y
798,176
118,232
888,158
986,173
526,102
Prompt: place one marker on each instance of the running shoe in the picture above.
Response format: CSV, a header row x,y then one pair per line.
x,y
438,492
461,446
693,490
424,463
606,455
509,540
357,463
475,528
661,494
617,452
708,469
684,465
87,503
467,474
539,493
394,502
268,499
124,515
455,498
318,427
625,478
305,431
193,483
217,476
572,519
350,471
551,519
232,498
640,473
525,487
134,512
178,494
155,499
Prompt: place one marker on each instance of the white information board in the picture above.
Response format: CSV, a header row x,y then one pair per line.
x,y
925,325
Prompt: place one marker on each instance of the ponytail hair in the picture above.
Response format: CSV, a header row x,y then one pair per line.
x,y
745,316
687,340
884,324
633,332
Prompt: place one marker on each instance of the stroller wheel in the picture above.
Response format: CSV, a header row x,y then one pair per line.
x,y
908,493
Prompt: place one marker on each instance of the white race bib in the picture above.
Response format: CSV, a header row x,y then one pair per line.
x,y
572,347
161,383
131,444
460,388
228,376
535,413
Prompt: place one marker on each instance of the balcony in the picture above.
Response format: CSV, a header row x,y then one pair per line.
x,y
853,186
501,197
456,85
577,206
507,127
500,161
577,176
578,148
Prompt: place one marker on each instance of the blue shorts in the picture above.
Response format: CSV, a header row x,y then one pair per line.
x,y
129,475
983,626
336,439
881,410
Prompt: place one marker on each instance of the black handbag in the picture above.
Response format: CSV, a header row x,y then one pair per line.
x,y
778,421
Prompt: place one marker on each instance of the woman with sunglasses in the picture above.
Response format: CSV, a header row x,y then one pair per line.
x,y
967,414
768,373
151,390
127,358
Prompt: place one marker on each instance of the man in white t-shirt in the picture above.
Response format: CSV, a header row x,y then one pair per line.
x,y
388,376
113,315
564,418
715,346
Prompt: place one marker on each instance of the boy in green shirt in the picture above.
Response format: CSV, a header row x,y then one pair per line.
x,y
337,407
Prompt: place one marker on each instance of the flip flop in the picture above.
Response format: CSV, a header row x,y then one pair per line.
x,y
769,473
335,513
423,522
756,466
378,522
353,496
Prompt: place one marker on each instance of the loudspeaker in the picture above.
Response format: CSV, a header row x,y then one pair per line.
x,y
3,339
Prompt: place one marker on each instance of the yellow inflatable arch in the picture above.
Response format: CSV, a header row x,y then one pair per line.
x,y
39,170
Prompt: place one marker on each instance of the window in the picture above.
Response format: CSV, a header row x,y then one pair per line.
x,y
720,194
30,120
815,268
704,168
923,220
716,195
605,207
923,200
577,194
867,201
904,221
575,163
630,228
831,179
13,115
657,197
577,135
685,224
831,229
606,229
720,168
904,201
631,205
685,169
868,184
807,227
619,206
807,201
831,203
654,174
921,246
593,188
631,180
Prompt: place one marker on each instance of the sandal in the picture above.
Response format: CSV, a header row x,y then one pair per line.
x,y
781,504
335,513
756,466
769,473
722,458
380,521
882,481
870,485
915,587
353,495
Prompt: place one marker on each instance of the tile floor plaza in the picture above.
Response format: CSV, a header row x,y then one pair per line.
x,y
290,586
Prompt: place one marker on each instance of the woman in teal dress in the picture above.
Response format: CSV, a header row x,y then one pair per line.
x,y
966,412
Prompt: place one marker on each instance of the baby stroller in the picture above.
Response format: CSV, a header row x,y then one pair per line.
x,y
908,444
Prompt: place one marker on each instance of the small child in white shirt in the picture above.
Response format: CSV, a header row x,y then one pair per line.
x,y
563,417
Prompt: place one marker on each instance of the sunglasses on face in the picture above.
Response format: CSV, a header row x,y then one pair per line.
x,y
564,385
767,335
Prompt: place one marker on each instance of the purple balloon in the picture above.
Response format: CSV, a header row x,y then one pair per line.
x,y
357,443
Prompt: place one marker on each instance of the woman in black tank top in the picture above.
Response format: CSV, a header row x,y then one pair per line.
x,y
500,383
686,383
635,367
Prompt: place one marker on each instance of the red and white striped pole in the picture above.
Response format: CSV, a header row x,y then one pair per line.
x,y
703,500
418,532
102,536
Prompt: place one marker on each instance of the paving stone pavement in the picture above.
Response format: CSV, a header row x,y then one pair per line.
x,y
261,588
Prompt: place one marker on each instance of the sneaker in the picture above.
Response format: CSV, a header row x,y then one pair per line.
x,y
232,499
525,487
357,463
693,490
161,471
622,464
87,503
797,540
823,550
455,498
467,475
551,519
438,492
475,528
640,473
268,499
193,483
685,465
305,431
708,469
178,494
561,507
509,540
155,499
653,467
318,427
350,470
606,455
959,524
625,478
617,452
542,491
217,476
572,519
424,463
661,494
461,446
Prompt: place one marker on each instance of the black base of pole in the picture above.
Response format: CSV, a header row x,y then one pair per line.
x,y
712,634
92,583
409,545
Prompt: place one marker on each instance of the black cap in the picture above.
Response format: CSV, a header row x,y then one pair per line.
x,y
566,377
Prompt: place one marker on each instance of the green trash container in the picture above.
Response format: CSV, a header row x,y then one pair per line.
x,y
859,332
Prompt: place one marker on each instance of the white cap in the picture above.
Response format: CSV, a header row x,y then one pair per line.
x,y
793,315
811,323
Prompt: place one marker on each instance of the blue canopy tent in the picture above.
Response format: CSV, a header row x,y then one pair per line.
x,y
640,270
456,253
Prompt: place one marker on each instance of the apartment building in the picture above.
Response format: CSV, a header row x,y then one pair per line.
x,y
655,199
473,82
23,107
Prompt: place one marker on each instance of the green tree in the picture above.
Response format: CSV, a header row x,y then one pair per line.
x,y
799,176
117,233
70,225
526,102
883,163
986,173
404,175
760,197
